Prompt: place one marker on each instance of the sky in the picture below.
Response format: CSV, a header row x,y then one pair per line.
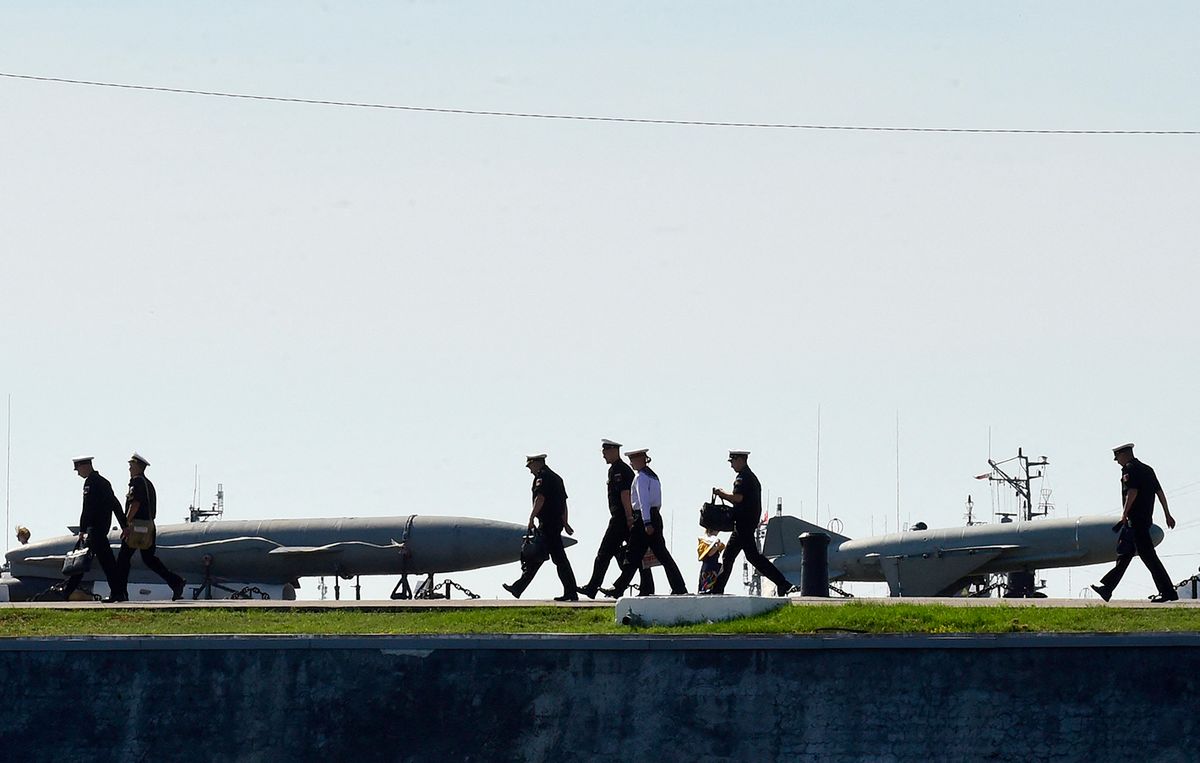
x,y
362,312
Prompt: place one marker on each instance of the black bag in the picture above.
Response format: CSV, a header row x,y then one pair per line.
x,y
533,550
77,561
717,517
1125,544
621,557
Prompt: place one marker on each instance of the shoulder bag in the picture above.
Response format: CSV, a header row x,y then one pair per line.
x,y
141,534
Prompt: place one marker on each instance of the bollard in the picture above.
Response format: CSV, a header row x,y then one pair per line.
x,y
1021,585
814,564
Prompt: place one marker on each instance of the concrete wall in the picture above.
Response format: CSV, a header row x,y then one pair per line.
x,y
1016,697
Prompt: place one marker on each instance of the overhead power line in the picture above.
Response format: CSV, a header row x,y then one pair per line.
x,y
586,118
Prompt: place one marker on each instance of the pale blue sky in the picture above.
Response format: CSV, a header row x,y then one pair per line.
x,y
342,311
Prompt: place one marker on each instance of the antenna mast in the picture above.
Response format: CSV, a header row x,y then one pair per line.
x,y
1022,485
7,475
971,521
897,471
1023,584
818,504
197,514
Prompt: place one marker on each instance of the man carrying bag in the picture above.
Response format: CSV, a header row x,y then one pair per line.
x,y
99,506
141,506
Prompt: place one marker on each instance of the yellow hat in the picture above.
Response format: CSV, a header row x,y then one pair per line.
x,y
707,545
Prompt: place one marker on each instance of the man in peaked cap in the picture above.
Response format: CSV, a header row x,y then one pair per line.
x,y
647,530
99,507
141,502
620,521
747,512
1139,487
550,511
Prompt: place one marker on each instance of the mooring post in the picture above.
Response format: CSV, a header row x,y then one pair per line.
x,y
814,564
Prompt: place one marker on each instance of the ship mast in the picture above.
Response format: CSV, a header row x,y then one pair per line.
x,y
1023,584
1022,485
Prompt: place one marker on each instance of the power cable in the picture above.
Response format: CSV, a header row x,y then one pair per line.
x,y
586,118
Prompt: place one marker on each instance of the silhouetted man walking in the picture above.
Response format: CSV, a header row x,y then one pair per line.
x,y
1139,487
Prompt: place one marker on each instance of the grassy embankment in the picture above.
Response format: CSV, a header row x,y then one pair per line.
x,y
854,617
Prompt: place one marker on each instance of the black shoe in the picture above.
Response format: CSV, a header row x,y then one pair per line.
x,y
177,590
112,600
1103,591
587,590
567,597
511,589
1163,598
683,592
610,593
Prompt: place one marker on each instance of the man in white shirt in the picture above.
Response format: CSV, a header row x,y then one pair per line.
x,y
647,530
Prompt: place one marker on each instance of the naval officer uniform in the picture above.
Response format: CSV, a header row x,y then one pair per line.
x,y
550,511
747,513
620,520
1139,513
141,502
100,505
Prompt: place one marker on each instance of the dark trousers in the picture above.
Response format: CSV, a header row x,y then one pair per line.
x,y
639,541
742,540
1144,548
120,586
616,534
97,541
553,538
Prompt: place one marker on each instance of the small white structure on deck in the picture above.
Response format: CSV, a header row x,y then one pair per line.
x,y
683,610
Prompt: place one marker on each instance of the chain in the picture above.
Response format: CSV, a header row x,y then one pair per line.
x,y
432,591
250,592
452,584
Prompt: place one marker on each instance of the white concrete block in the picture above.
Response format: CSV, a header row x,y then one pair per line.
x,y
681,610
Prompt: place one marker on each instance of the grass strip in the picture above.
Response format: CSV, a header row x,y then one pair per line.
x,y
857,617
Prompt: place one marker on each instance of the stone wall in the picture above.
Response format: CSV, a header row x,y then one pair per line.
x,y
530,698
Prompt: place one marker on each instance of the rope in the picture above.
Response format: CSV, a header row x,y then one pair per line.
x,y
589,118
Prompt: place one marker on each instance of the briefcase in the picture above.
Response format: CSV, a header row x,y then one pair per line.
x,y
77,561
717,517
533,550
141,534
